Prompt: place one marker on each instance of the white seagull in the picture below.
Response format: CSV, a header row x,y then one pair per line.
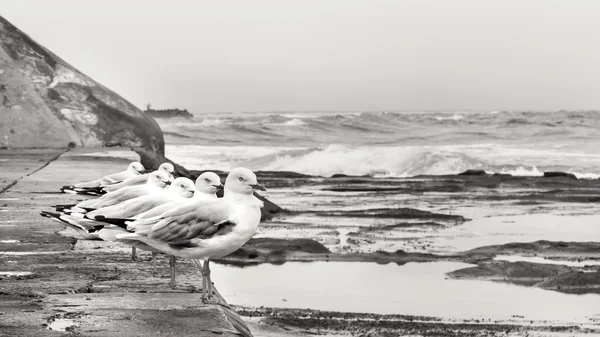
x,y
134,169
203,230
88,224
91,226
206,187
157,182
138,180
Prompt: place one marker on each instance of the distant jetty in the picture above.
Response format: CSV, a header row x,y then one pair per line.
x,y
168,113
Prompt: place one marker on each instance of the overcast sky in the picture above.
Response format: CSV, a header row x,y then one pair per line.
x,y
343,55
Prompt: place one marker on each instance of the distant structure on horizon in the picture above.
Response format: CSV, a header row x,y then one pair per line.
x,y
167,113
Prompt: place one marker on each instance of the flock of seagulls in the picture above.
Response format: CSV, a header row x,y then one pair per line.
x,y
160,213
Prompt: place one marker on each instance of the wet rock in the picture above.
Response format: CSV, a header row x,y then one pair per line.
x,y
511,272
473,173
394,213
46,102
542,248
553,174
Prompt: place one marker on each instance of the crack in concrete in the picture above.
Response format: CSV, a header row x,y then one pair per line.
x,y
14,182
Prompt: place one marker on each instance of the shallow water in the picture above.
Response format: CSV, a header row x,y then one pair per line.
x,y
412,289
522,228
15,273
61,324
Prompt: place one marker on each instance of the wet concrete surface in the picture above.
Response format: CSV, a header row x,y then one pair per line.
x,y
50,288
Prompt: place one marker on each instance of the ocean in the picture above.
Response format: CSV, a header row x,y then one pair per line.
x,y
381,208
389,144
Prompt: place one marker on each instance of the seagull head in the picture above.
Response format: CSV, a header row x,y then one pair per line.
x,y
169,168
159,178
242,180
136,168
182,187
208,182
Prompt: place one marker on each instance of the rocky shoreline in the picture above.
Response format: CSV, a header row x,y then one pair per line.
x,y
294,322
55,277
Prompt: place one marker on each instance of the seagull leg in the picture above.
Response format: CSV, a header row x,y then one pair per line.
x,y
172,265
133,253
200,267
206,283
154,273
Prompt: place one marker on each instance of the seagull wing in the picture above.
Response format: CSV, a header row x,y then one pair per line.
x,y
117,177
136,180
198,220
131,207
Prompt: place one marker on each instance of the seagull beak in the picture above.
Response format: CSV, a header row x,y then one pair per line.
x,y
219,187
174,174
142,171
258,187
167,182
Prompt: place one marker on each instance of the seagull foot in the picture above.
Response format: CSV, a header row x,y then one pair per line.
x,y
209,300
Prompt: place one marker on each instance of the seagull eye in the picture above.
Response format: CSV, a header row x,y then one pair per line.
x,y
207,180
241,178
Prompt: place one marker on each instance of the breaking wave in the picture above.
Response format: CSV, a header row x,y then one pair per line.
x,y
378,161
390,144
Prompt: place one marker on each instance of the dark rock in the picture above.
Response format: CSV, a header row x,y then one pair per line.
x,y
393,213
512,272
553,174
168,113
473,173
48,103
295,245
341,175
557,249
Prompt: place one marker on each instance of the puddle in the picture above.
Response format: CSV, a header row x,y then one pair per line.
x,y
15,273
9,241
537,259
61,324
31,253
412,289
507,229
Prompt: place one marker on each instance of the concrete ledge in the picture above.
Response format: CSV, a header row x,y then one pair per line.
x,y
49,284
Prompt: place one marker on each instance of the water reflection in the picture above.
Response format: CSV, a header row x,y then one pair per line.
x,y
414,289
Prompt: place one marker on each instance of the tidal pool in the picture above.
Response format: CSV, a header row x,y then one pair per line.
x,y
411,289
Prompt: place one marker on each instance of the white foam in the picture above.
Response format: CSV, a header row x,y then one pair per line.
x,y
392,161
294,122
523,171
455,117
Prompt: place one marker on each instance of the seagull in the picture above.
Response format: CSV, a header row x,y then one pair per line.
x,y
136,180
180,189
206,187
157,182
134,169
204,230
91,227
